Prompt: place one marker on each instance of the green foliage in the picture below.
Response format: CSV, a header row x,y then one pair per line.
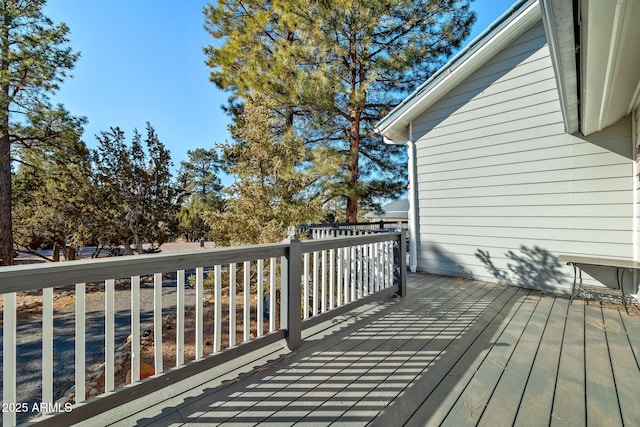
x,y
52,187
34,59
270,191
191,218
201,186
331,70
138,199
199,177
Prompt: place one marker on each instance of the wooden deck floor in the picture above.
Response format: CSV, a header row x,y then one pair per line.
x,y
453,353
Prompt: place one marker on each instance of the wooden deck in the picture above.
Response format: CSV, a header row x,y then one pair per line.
x,y
454,353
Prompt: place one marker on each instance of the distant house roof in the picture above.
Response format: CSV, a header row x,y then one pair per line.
x,y
593,46
396,209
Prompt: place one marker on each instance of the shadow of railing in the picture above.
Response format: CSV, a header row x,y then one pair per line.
x,y
380,370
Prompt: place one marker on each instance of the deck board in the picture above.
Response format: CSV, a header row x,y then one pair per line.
x,y
449,375
569,399
601,398
454,352
625,370
536,401
505,399
492,363
632,329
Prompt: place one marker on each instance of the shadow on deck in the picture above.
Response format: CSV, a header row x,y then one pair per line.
x,y
454,352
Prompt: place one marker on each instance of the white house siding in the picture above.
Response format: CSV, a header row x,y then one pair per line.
x,y
502,190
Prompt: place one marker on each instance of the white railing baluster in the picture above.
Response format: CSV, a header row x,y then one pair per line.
x,y
180,279
388,260
369,269
324,281
347,274
80,344
135,329
354,271
246,295
316,299
376,255
199,315
391,262
259,298
9,331
109,334
385,269
217,309
340,273
365,267
380,264
232,305
381,276
47,347
157,323
374,267
332,274
305,280
360,268
388,264
272,295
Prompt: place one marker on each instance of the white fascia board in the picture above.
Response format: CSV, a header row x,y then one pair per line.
x,y
558,21
461,66
390,141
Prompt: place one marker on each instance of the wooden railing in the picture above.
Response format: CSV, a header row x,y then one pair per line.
x,y
256,295
349,228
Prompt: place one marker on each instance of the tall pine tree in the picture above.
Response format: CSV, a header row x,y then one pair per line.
x,y
34,59
333,69
270,191
53,192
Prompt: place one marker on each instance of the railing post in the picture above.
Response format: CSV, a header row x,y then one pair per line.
x,y
294,273
400,263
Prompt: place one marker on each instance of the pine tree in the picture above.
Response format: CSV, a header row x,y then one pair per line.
x,y
52,197
334,68
201,188
270,192
34,59
138,197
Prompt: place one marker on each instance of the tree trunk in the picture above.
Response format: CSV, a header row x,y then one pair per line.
x,y
6,234
139,247
55,256
354,167
127,248
70,255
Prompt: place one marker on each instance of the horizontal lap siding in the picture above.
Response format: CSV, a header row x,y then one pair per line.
x,y
503,190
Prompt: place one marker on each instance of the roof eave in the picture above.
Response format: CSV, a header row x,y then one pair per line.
x,y
507,28
558,22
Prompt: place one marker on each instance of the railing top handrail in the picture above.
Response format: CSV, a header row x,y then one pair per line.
x,y
343,242
347,224
38,276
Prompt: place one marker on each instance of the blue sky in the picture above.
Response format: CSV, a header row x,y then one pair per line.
x,y
142,60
